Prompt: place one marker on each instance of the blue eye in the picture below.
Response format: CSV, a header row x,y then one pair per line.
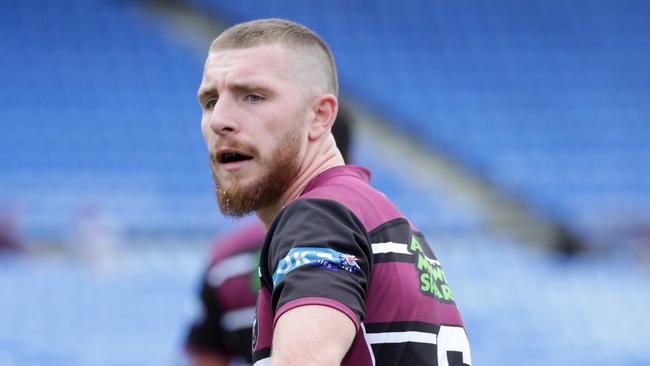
x,y
254,98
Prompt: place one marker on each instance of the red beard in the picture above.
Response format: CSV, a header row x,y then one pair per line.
x,y
237,200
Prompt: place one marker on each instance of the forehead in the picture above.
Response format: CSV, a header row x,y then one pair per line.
x,y
260,63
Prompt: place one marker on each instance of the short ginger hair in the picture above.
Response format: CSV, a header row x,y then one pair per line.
x,y
291,34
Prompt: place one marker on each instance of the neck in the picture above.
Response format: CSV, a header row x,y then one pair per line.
x,y
314,164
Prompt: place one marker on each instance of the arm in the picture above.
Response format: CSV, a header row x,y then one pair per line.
x,y
317,267
312,335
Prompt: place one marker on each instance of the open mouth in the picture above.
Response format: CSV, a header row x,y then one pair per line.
x,y
233,157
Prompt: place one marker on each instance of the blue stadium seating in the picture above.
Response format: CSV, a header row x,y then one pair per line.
x,y
519,305
99,108
546,99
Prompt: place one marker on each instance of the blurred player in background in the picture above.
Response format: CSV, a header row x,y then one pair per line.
x,y
345,278
10,240
222,336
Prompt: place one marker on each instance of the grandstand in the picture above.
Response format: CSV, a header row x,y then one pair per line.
x,y
548,100
545,102
100,109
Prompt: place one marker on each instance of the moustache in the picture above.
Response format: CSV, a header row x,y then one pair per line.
x,y
242,148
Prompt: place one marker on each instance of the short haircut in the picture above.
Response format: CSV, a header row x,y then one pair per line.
x,y
268,31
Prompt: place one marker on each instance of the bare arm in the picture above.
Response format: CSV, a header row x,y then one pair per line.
x,y
312,335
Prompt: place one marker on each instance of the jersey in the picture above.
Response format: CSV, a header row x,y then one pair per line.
x,y
343,244
228,296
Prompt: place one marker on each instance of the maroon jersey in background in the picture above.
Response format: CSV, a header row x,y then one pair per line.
x,y
228,295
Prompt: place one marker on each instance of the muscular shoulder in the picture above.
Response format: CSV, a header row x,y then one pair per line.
x,y
368,204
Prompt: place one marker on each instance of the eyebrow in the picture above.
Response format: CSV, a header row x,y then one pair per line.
x,y
205,92
237,87
250,87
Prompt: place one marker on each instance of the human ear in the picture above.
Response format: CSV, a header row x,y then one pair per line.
x,y
325,108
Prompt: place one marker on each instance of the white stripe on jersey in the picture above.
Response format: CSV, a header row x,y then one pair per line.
x,y
238,319
263,362
390,247
401,337
234,266
365,337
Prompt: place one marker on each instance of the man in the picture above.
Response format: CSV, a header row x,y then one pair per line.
x,y
222,336
345,277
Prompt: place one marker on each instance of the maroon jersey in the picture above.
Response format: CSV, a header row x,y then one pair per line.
x,y
343,244
228,295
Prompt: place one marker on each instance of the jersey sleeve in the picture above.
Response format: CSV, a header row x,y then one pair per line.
x,y
319,254
206,333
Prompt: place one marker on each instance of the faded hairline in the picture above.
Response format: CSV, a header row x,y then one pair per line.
x,y
290,34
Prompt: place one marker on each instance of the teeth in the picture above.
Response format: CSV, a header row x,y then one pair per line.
x,y
229,157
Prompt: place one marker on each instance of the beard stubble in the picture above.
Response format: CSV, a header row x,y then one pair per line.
x,y
282,168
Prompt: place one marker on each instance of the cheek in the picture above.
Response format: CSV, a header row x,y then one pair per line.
x,y
205,132
267,147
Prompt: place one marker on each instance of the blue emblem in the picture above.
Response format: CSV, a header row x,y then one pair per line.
x,y
325,258
348,262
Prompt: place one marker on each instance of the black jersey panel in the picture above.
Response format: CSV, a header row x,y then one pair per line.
x,y
318,249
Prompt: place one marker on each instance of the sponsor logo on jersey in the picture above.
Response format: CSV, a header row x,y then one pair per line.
x,y
255,279
348,262
433,281
325,258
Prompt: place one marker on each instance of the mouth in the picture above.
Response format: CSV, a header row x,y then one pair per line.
x,y
232,157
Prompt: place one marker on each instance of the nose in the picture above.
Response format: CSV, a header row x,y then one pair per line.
x,y
222,118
